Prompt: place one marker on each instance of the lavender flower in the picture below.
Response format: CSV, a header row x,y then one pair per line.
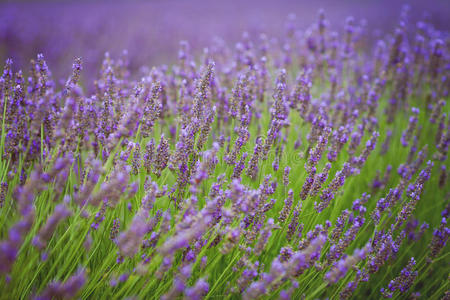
x,y
287,207
114,229
252,168
66,290
60,213
403,282
286,175
239,166
3,191
406,135
101,145
148,156
162,156
440,237
130,240
340,269
199,290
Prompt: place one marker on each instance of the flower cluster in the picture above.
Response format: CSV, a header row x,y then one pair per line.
x,y
232,172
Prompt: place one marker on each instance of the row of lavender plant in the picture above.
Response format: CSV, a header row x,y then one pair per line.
x,y
303,166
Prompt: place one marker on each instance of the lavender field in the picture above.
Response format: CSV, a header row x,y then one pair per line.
x,y
224,150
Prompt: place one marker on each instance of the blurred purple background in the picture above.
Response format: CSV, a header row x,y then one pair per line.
x,y
151,30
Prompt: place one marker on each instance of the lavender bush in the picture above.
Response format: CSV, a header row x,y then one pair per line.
x,y
307,164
